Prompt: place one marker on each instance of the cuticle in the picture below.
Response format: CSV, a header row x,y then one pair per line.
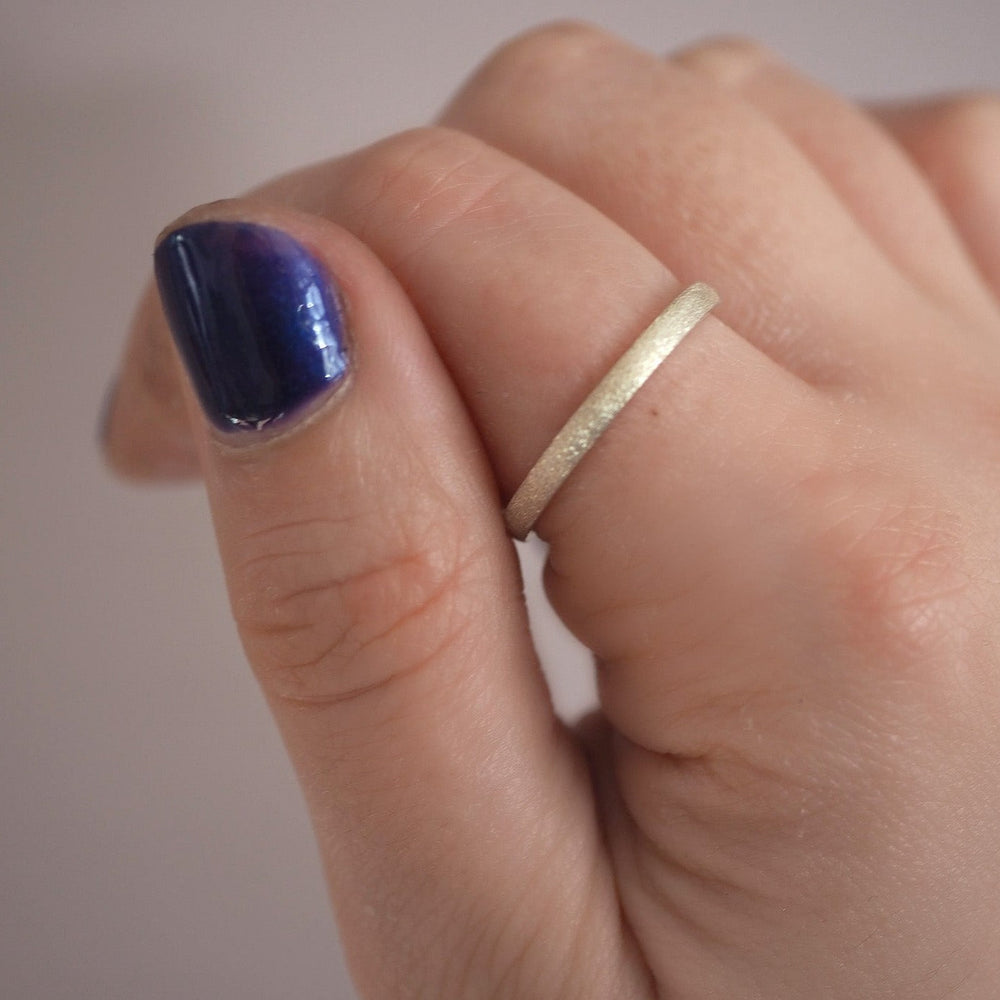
x,y
251,442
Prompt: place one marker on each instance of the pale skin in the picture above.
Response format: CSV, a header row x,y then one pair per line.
x,y
784,553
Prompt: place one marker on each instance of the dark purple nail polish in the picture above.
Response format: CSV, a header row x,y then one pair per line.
x,y
256,318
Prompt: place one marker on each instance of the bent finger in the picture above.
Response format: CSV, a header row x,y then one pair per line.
x,y
145,431
531,295
861,162
379,603
955,142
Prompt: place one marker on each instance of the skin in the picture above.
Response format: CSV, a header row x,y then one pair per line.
x,y
790,789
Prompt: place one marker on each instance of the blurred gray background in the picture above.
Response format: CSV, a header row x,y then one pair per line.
x,y
152,842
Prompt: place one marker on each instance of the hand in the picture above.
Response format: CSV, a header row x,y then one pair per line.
x,y
783,553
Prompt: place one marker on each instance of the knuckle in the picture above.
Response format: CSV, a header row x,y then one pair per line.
x,y
400,166
539,59
970,114
729,60
413,153
896,567
552,44
327,622
423,180
967,126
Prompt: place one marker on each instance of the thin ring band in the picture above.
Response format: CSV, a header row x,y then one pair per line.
x,y
578,435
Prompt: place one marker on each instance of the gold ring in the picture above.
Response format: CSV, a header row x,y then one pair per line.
x,y
651,348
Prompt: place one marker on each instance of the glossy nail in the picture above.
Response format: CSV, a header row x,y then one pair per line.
x,y
256,318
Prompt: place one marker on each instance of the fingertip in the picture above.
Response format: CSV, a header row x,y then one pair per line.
x,y
139,444
144,431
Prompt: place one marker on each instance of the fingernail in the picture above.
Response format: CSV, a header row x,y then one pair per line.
x,y
256,318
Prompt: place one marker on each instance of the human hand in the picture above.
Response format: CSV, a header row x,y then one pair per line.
x,y
783,553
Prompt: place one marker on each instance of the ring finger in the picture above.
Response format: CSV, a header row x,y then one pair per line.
x,y
530,294
955,143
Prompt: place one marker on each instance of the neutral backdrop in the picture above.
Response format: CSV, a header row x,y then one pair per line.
x,y
152,842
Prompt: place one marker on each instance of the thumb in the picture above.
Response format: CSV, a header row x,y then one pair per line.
x,y
378,601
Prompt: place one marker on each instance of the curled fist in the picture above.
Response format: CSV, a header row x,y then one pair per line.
x,y
783,553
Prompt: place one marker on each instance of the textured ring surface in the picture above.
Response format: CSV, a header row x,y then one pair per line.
x,y
650,349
